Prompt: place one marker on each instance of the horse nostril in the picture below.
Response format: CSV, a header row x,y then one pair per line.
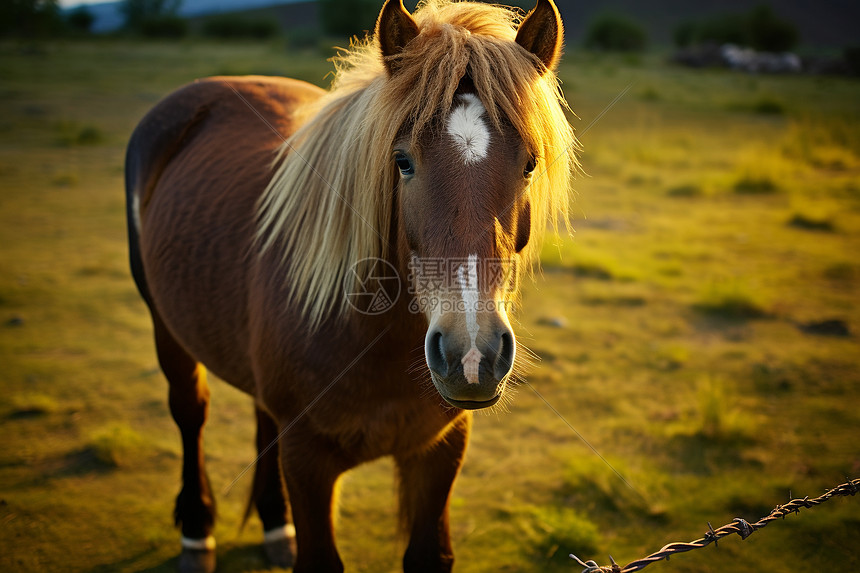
x,y
505,358
434,351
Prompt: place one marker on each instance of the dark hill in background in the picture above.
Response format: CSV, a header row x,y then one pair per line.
x,y
824,23
294,17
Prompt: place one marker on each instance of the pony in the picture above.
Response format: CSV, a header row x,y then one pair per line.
x,y
305,245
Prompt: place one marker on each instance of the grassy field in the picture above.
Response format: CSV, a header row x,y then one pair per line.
x,y
678,329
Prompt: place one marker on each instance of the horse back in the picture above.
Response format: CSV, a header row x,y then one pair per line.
x,y
195,167
251,108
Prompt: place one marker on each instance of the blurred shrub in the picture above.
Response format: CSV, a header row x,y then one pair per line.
x,y
685,34
615,33
770,33
761,28
228,26
29,18
348,17
768,106
725,29
154,18
166,26
764,105
851,55
80,20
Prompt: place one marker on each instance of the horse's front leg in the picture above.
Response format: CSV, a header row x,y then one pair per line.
x,y
426,478
312,465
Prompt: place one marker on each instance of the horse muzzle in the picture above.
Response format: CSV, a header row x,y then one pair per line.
x,y
470,374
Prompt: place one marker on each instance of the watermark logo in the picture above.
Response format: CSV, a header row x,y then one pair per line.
x,y
435,304
439,275
372,286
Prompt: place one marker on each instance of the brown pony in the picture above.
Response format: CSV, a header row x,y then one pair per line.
x,y
303,244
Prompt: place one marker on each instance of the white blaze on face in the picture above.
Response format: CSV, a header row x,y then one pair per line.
x,y
468,280
468,129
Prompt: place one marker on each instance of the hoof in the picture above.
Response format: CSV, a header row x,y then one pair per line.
x,y
280,546
198,556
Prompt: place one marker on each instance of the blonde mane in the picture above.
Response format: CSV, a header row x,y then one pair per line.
x,y
329,203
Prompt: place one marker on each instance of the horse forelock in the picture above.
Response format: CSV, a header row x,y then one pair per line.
x,y
329,202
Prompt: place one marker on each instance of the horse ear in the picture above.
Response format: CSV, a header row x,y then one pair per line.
x,y
541,33
394,28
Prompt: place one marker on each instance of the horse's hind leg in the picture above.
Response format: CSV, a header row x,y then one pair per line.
x,y
426,478
189,405
269,496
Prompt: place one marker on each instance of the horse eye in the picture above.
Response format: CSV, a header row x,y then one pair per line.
x,y
404,164
530,167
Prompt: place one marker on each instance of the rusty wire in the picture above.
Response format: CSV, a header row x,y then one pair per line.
x,y
738,525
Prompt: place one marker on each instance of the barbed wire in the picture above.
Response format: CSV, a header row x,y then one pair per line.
x,y
738,525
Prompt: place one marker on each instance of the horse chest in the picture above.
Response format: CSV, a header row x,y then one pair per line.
x,y
389,423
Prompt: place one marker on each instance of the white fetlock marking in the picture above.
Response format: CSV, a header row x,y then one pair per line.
x,y
205,544
287,531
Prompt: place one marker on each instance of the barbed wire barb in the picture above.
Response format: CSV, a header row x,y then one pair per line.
x,y
738,525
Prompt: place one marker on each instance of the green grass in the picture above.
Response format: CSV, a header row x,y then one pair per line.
x,y
665,324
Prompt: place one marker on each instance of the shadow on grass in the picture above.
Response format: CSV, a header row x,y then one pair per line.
x,y
26,413
582,269
701,454
128,564
236,559
78,463
731,310
87,460
730,303
809,223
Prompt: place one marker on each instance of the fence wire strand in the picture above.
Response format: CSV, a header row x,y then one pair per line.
x,y
738,525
